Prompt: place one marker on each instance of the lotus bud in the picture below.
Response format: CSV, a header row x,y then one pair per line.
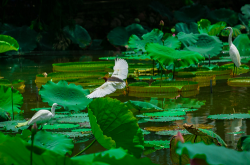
x,y
34,129
161,23
179,137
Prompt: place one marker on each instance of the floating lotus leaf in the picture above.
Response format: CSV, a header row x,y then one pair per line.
x,y
10,125
79,115
172,132
174,127
168,56
60,126
119,36
236,32
78,35
235,133
242,42
144,132
187,39
165,114
246,10
161,144
60,116
242,69
191,13
73,135
187,28
57,143
25,37
196,136
140,105
84,130
8,43
47,108
164,119
6,100
226,15
210,153
141,84
229,116
161,9
206,45
183,109
73,120
72,97
113,125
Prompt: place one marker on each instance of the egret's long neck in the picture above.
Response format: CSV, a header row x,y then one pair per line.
x,y
230,37
53,109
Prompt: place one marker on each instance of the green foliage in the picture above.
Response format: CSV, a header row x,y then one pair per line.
x,y
10,125
168,56
243,143
161,144
242,42
229,116
204,26
236,32
210,153
72,97
140,105
6,100
60,126
78,35
187,28
113,125
187,39
73,120
8,43
246,10
141,84
172,132
165,114
164,119
225,15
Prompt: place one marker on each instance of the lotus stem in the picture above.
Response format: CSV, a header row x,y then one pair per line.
x,y
86,148
12,102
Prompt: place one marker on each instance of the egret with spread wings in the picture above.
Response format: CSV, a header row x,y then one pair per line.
x,y
116,81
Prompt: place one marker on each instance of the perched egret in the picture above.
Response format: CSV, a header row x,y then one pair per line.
x,y
41,117
114,82
233,51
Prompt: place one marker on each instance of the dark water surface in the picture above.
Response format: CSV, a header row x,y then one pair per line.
x,y
223,100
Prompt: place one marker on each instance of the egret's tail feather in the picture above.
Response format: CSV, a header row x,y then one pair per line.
x,y
21,124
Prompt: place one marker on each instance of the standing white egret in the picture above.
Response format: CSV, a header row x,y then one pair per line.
x,y
41,117
233,51
114,82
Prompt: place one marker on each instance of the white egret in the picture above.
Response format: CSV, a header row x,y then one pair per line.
x,y
116,81
41,117
233,51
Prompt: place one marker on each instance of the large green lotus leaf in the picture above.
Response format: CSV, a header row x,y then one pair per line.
x,y
236,133
243,143
229,116
225,15
215,29
245,21
72,97
182,109
213,154
6,100
136,29
172,42
25,37
78,35
161,144
206,45
85,130
203,25
113,125
10,125
236,32
164,119
165,114
172,132
246,10
8,43
136,43
60,126
191,13
140,105
187,39
118,36
242,42
168,56
187,28
57,143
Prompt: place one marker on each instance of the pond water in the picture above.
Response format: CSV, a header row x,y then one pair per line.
x,y
224,99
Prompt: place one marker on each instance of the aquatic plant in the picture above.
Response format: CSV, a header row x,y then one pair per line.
x,y
72,97
187,28
8,43
242,42
204,26
226,15
229,116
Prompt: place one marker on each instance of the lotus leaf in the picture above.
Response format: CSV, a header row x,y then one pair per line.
x,y
246,10
84,130
229,116
187,28
182,109
242,42
209,153
204,26
191,13
245,21
74,135
78,35
236,32
79,115
206,45
243,143
161,144
25,37
226,15
242,69
187,39
172,132
140,105
10,125
165,114
3,116
140,84
48,108
174,127
8,43
57,143
26,135
61,126
144,132
161,9
235,133
6,100
73,120
113,125
168,56
164,119
72,97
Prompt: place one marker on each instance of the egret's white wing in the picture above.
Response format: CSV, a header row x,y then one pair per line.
x,y
40,117
120,69
235,55
106,88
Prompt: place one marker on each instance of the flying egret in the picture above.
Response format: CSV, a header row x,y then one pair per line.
x,y
114,82
41,117
233,51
